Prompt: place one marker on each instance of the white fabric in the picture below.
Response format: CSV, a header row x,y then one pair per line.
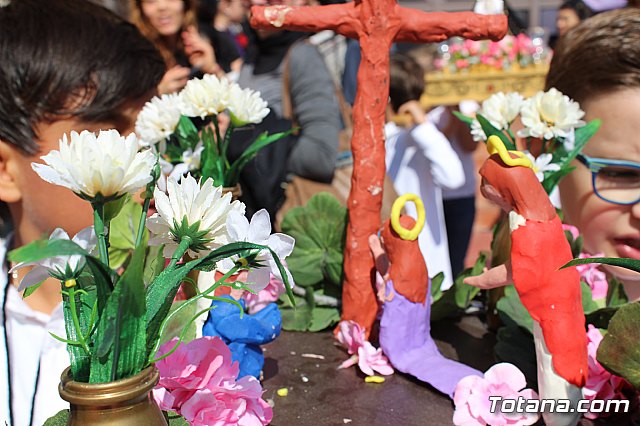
x,y
30,343
468,189
421,161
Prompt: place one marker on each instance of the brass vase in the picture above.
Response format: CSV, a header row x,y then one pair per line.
x,y
126,402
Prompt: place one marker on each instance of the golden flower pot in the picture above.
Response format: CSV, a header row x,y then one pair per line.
x,y
126,402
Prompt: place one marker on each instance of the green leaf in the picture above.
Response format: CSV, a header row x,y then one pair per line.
x,y
631,264
103,279
121,333
174,419
601,317
79,359
322,318
123,231
457,298
186,133
233,175
175,327
616,295
490,130
464,118
588,304
60,419
154,263
436,284
31,289
619,351
298,319
45,249
511,308
516,346
582,136
113,208
319,229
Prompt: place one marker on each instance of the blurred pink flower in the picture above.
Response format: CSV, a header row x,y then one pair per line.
x,y
600,383
368,358
462,63
472,393
572,229
271,293
593,276
198,381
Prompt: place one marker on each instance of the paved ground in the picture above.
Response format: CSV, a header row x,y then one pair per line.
x,y
319,394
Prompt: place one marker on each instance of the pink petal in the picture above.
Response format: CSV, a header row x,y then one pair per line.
x,y
505,373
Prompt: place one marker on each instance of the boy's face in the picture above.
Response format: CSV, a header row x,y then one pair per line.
x,y
38,207
609,228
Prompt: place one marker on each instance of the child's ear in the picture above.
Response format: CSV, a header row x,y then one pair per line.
x,y
9,188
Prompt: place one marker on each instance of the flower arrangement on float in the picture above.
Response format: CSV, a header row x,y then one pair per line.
x,y
512,52
120,316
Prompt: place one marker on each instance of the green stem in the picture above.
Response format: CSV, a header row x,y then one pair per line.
x,y
225,146
185,242
147,200
99,228
168,319
76,321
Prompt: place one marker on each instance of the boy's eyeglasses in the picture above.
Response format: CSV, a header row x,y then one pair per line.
x,y
614,181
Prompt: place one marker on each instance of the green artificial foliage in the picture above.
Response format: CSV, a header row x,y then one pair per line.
x,y
316,263
619,351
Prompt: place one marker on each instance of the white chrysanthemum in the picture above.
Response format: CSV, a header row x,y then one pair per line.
x,y
500,109
191,159
158,119
206,96
542,164
62,267
550,114
258,231
107,164
246,106
205,206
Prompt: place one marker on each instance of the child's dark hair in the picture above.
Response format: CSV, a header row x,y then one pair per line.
x,y
600,55
406,80
579,7
68,58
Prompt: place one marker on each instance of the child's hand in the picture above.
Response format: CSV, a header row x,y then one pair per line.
x,y
174,80
200,52
414,110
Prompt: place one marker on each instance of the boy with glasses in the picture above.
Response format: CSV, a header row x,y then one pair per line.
x,y
598,65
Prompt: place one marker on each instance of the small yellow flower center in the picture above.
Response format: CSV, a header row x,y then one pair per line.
x,y
70,283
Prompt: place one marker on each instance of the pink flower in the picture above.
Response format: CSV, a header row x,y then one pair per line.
x,y
462,63
198,381
271,293
600,383
593,276
368,358
572,229
472,393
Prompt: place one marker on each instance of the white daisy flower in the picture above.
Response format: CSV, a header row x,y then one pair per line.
x,y
108,165
549,115
542,164
188,209
246,106
60,267
158,120
258,231
206,96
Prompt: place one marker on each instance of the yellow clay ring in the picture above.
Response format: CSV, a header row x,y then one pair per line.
x,y
407,234
495,145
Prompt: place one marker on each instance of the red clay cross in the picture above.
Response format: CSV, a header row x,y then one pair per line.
x,y
376,24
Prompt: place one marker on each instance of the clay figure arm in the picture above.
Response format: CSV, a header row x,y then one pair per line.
x,y
428,27
498,276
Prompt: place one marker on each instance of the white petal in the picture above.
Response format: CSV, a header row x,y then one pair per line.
x,y
33,277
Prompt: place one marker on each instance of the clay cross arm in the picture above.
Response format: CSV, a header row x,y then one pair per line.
x,y
429,27
340,18
410,24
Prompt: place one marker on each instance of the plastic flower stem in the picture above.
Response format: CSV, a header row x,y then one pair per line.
x,y
148,195
511,135
76,322
100,230
185,242
168,319
225,145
